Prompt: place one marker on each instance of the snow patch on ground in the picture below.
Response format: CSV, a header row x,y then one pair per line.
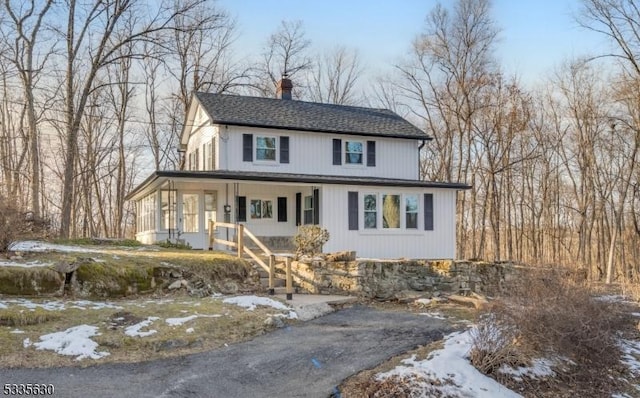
x,y
539,368
31,264
631,355
252,302
434,315
35,246
452,371
134,330
57,305
180,321
74,341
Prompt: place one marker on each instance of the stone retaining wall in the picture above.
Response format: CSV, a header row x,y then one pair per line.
x,y
385,279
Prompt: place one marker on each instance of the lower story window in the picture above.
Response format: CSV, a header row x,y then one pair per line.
x,y
308,210
411,212
261,209
390,211
189,212
370,212
210,206
168,208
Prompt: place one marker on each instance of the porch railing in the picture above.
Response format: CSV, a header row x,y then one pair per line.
x,y
242,233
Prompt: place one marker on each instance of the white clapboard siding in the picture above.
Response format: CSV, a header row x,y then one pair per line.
x,y
385,244
312,153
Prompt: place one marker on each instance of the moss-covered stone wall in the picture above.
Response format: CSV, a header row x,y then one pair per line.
x,y
387,279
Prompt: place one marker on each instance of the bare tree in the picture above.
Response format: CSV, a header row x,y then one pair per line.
x,y
286,53
21,30
92,45
335,76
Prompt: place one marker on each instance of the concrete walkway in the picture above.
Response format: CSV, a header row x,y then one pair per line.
x,y
311,306
306,360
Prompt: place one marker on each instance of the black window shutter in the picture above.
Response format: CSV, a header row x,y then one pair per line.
x,y
247,147
282,209
284,149
242,208
428,212
337,151
316,206
371,153
352,206
298,208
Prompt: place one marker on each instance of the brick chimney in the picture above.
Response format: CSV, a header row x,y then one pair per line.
x,y
283,91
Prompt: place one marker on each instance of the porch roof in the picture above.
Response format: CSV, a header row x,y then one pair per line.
x,y
291,178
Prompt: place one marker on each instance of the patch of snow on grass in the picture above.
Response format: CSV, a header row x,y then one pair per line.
x,y
3,306
539,368
17,331
190,330
134,330
58,305
448,372
180,321
36,246
73,341
251,302
31,264
26,343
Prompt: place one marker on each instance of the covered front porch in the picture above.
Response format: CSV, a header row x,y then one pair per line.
x,y
180,209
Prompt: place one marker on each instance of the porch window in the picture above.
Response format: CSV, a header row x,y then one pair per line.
x,y
390,211
146,220
353,152
370,211
261,209
266,148
210,208
411,212
168,210
308,210
190,212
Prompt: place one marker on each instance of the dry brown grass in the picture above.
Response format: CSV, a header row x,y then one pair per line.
x,y
234,325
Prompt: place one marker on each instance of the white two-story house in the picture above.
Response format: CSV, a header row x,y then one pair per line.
x,y
276,164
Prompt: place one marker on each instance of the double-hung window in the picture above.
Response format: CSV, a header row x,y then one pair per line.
x,y
370,211
353,152
308,210
411,211
266,148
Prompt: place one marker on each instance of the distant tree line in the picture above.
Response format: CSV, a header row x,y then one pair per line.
x,y
94,92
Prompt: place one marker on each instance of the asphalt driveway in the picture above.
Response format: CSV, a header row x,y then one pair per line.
x,y
306,360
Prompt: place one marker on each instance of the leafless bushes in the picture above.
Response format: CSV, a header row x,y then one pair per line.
x,y
548,313
310,239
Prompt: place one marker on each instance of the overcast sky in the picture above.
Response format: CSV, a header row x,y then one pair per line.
x,y
536,34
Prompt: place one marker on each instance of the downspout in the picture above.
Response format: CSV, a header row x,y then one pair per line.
x,y
424,142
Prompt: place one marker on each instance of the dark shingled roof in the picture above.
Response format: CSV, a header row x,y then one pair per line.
x,y
306,116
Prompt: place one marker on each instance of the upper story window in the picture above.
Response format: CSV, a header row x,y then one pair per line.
x,y
266,148
353,151
263,148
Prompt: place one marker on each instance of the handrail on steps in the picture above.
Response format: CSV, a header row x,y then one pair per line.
x,y
241,233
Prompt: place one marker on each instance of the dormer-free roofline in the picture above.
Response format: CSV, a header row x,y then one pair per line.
x,y
235,110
